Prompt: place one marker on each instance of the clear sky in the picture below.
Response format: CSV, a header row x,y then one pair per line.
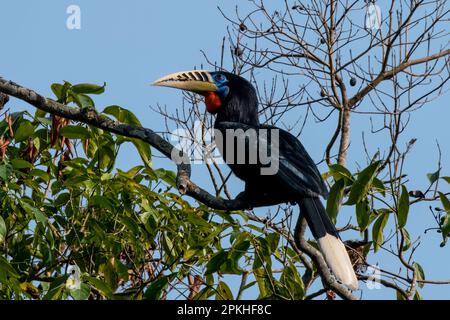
x,y
128,44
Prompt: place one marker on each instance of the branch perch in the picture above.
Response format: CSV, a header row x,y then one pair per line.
x,y
184,184
3,100
91,117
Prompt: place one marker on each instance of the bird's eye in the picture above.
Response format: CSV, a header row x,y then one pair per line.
x,y
220,77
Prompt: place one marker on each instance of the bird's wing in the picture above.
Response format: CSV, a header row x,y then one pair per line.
x,y
296,168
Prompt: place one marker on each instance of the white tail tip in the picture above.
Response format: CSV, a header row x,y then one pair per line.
x,y
338,260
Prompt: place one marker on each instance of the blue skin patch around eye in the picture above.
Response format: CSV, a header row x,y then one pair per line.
x,y
221,82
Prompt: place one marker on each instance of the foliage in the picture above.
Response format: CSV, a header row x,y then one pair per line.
x,y
64,202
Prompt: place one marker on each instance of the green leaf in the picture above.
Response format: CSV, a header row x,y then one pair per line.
x,y
88,88
377,230
362,184
262,252
60,91
400,296
130,224
445,201
122,115
101,286
82,293
240,248
44,121
198,221
168,246
40,173
38,214
7,269
110,275
363,214
21,164
407,240
272,239
263,285
150,221
378,185
403,208
418,296
74,132
3,230
144,150
62,199
56,288
340,172
231,266
446,179
120,268
154,291
167,175
57,90
248,285
420,273
291,279
40,113
445,228
434,176
335,199
106,156
25,130
223,292
102,202
5,171
216,262
82,100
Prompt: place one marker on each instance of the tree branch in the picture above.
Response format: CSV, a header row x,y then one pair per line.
x,y
185,185
3,100
386,75
91,117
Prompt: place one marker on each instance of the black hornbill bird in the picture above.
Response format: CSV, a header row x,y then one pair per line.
x,y
234,101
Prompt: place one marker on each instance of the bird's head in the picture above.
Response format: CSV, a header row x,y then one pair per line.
x,y
232,97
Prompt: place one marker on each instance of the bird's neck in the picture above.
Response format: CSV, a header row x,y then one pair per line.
x,y
240,111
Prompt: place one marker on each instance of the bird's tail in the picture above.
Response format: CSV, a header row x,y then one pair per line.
x,y
329,241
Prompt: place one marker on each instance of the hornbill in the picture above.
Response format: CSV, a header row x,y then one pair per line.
x,y
234,101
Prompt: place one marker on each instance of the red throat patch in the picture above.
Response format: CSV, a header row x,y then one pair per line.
x,y
212,101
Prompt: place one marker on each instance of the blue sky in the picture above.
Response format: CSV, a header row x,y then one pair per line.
x,y
129,44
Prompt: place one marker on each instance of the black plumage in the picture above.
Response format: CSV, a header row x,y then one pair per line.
x,y
293,175
297,179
